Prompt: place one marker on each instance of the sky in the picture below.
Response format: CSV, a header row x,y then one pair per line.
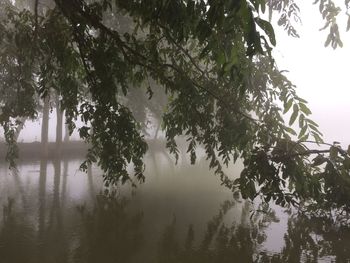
x,y
321,74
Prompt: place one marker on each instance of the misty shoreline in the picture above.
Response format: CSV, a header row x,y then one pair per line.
x,y
32,150
69,150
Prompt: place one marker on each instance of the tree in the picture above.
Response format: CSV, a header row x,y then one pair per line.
x,y
212,58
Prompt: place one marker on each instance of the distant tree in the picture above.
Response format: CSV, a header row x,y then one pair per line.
x,y
211,58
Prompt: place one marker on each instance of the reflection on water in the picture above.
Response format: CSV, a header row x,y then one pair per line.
x,y
107,232
220,243
51,212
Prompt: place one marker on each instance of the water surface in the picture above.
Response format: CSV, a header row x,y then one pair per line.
x,y
52,212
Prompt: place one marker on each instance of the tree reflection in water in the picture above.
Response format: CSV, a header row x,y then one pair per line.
x,y
46,230
237,242
17,238
315,239
108,233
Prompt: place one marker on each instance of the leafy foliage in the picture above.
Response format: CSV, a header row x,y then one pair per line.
x,y
212,61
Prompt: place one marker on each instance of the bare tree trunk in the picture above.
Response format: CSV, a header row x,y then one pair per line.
x,y
66,133
59,127
19,128
45,128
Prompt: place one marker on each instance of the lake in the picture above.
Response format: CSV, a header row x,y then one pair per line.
x,y
52,212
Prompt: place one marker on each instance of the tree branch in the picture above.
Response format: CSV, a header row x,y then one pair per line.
x,y
194,63
95,22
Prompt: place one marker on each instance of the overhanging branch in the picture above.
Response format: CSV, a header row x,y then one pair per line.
x,y
76,9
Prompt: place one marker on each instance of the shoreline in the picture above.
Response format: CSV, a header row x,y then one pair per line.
x,y
32,150
69,150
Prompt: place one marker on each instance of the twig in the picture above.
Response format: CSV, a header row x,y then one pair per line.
x,y
304,153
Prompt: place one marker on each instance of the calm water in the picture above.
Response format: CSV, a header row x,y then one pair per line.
x,y
52,212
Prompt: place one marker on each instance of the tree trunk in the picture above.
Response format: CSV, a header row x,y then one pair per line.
x,y
19,128
157,130
45,128
59,127
66,133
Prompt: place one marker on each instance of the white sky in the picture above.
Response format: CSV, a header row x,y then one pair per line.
x,y
321,74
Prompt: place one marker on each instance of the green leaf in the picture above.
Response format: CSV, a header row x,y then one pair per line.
x,y
302,132
340,43
287,105
294,114
220,58
290,130
305,137
228,66
328,41
311,122
301,120
268,29
304,108
301,99
312,127
317,137
263,6
318,160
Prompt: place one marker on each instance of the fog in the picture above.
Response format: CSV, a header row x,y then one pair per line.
x,y
320,73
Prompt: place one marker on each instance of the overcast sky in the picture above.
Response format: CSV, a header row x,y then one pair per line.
x,y
321,74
